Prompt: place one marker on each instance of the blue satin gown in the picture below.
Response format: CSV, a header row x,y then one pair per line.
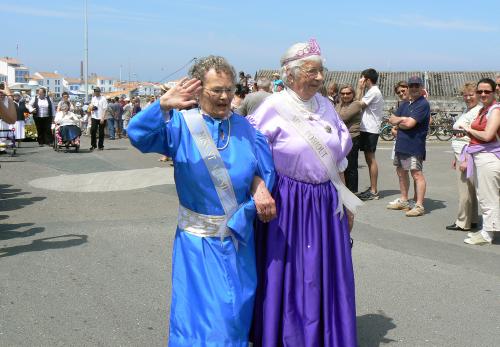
x,y
213,283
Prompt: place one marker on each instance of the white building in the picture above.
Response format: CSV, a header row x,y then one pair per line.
x,y
107,84
13,71
148,88
72,84
52,81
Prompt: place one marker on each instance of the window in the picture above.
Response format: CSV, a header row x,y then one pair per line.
x,y
20,76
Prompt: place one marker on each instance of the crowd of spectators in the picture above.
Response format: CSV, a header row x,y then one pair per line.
x,y
360,107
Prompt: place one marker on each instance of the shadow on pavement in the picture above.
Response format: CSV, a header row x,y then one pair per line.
x,y
10,198
10,231
388,192
433,204
372,329
45,244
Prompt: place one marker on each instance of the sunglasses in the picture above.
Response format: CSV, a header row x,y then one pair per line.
x,y
346,93
487,92
401,91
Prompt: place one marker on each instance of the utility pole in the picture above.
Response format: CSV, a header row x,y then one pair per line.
x,y
86,55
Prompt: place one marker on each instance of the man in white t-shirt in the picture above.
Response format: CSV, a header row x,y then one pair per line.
x,y
98,107
372,103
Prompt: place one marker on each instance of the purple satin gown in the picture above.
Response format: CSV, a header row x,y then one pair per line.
x,y
305,294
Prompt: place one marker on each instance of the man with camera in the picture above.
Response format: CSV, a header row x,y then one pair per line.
x,y
412,120
97,109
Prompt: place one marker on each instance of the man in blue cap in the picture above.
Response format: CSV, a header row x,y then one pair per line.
x,y
412,120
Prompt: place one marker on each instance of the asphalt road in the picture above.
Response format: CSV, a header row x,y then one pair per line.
x,y
91,267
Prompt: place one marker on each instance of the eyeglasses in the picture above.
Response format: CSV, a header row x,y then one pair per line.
x,y
220,91
487,92
313,72
346,93
414,85
468,95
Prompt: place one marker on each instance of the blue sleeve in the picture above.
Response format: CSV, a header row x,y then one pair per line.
x,y
241,223
420,112
265,163
399,111
148,131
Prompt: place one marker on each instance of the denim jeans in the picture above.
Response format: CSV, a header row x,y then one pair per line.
x,y
111,128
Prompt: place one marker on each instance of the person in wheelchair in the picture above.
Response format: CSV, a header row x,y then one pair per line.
x,y
67,126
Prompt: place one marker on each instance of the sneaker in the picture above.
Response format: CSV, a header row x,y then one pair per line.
x,y
473,233
369,195
399,204
417,210
363,192
477,239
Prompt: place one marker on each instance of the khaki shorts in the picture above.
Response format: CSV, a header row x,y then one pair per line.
x,y
408,162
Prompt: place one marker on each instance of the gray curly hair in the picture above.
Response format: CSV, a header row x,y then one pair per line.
x,y
205,64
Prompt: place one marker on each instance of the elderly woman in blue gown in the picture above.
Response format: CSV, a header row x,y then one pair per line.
x,y
217,155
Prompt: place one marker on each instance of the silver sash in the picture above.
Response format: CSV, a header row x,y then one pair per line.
x,y
201,225
295,116
215,165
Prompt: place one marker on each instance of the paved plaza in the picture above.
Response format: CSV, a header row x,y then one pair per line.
x,y
86,240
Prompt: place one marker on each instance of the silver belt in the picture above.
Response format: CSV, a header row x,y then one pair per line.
x,y
202,225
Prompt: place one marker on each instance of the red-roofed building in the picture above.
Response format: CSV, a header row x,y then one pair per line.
x,y
52,81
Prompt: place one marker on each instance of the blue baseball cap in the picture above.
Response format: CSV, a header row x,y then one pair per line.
x,y
415,80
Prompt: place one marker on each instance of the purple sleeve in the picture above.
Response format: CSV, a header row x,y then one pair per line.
x,y
265,120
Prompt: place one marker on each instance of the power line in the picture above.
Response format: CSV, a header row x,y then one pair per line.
x,y
176,71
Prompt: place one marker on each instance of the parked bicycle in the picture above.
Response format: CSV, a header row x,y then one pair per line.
x,y
386,130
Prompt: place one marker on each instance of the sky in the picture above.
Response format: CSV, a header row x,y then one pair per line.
x,y
150,40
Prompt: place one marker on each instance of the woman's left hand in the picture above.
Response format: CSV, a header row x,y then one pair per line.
x,y
350,219
264,202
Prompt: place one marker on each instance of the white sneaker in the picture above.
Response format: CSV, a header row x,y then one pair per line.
x,y
473,233
477,240
398,204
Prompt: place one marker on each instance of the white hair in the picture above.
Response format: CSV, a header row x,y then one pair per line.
x,y
291,68
263,83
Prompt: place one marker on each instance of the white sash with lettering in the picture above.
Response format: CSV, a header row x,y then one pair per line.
x,y
291,112
215,165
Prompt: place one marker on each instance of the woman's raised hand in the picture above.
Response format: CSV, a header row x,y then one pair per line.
x,y
182,96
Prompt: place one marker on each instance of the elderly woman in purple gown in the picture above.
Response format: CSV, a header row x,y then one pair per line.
x,y
305,295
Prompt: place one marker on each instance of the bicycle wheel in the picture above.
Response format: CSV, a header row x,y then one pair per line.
x,y
444,133
386,133
432,131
